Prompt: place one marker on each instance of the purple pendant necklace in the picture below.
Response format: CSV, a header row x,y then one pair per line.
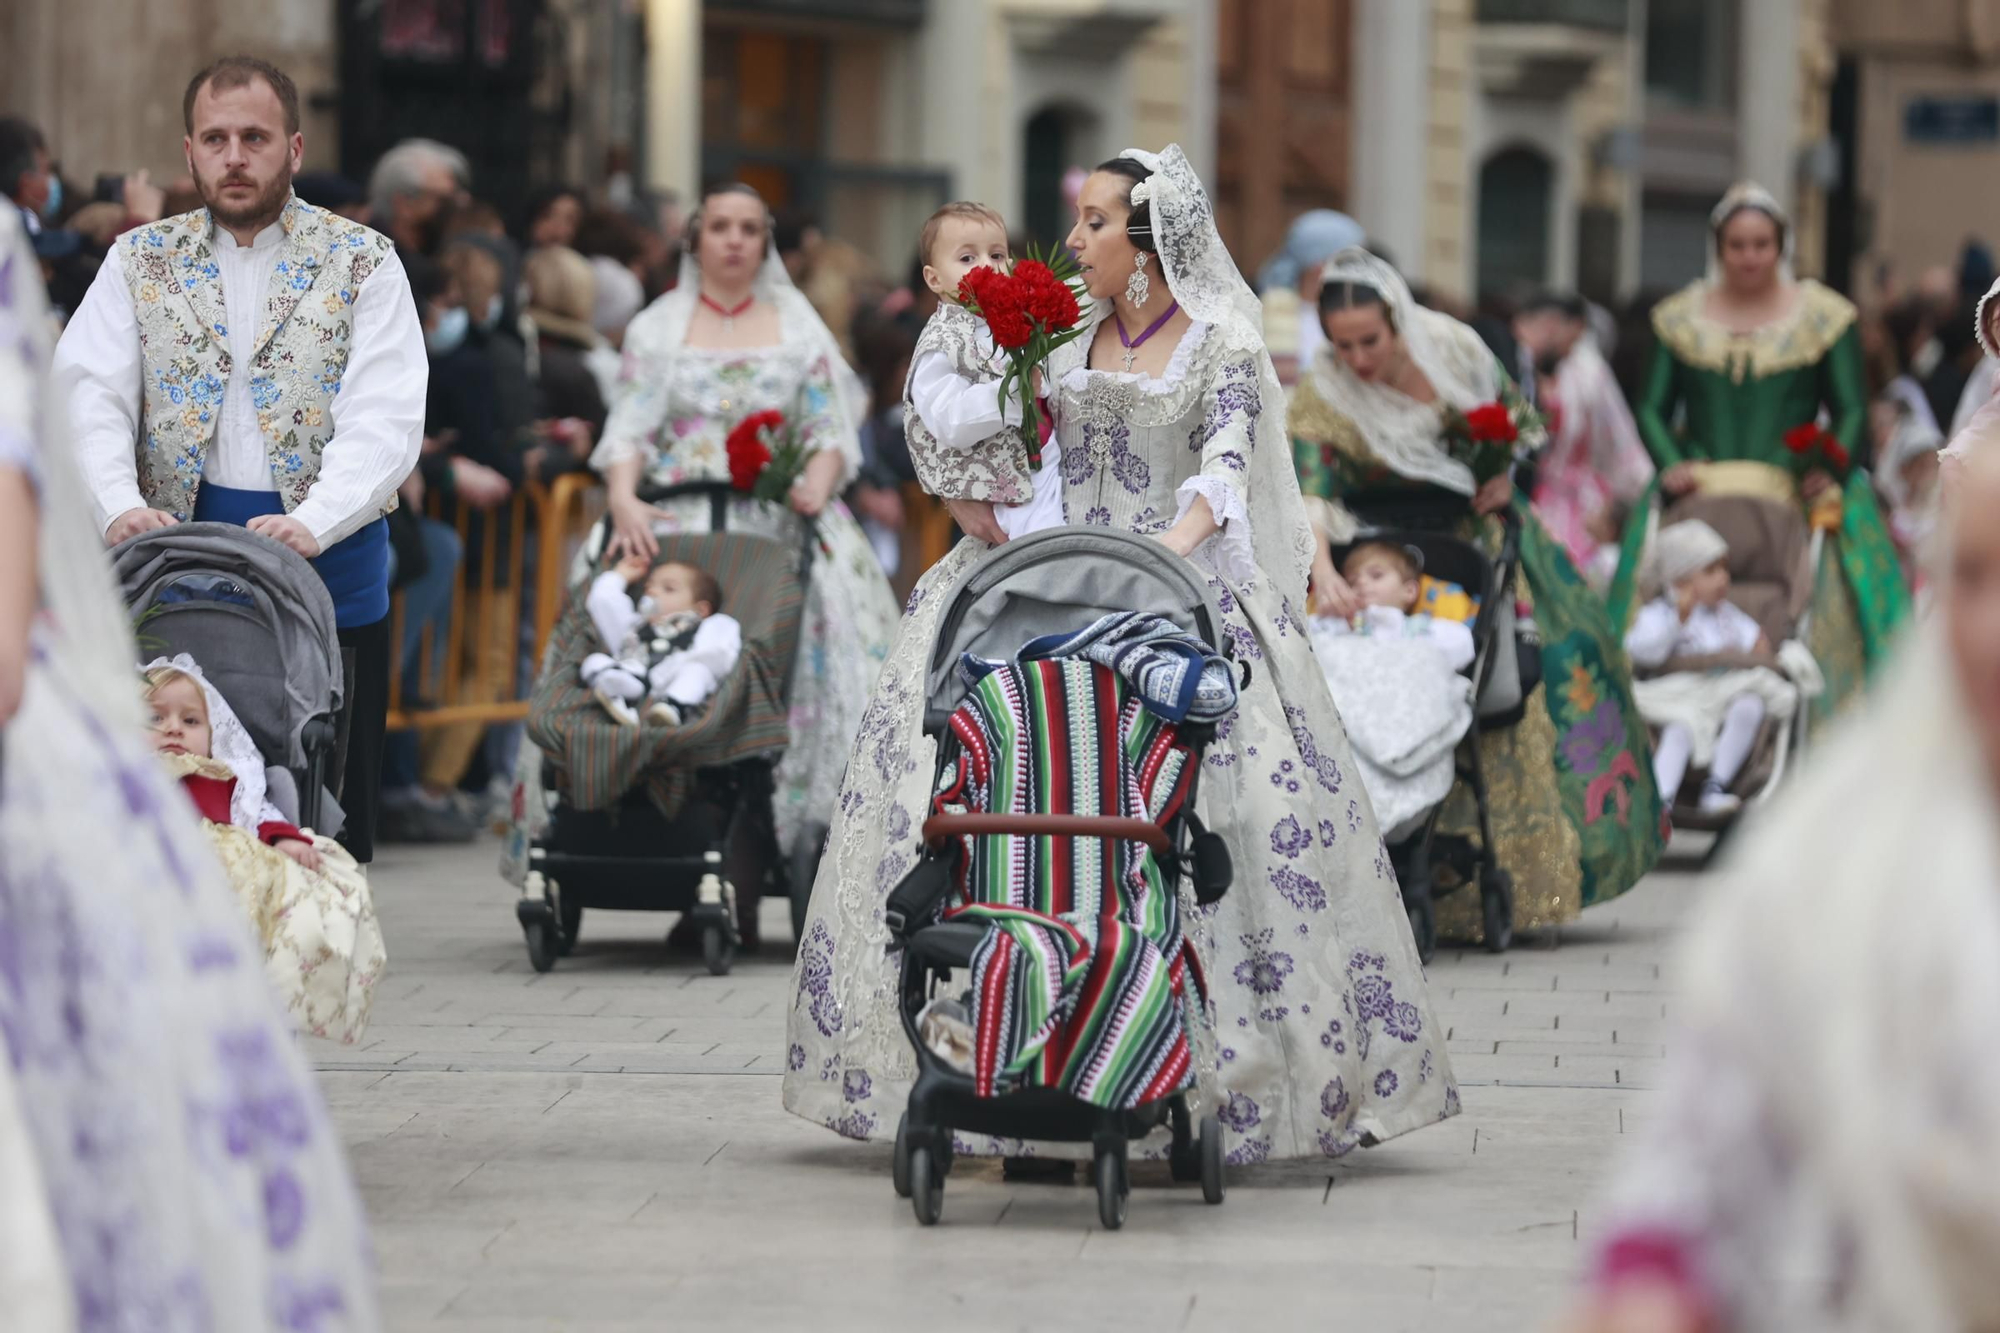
x,y
1132,345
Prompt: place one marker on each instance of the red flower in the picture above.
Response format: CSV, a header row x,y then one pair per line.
x,y
748,452
1835,453
1801,439
1492,423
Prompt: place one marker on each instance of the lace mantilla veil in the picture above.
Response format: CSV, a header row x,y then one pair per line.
x,y
663,326
1205,280
1402,432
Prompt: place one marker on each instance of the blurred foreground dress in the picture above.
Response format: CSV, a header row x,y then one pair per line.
x,y
165,1160
1834,1085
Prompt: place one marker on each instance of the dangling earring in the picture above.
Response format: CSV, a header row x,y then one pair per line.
x,y
1138,287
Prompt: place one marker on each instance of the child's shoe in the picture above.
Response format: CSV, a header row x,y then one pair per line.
x,y
1716,801
619,709
663,714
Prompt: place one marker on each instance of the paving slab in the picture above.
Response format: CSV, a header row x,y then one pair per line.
x,y
601,1149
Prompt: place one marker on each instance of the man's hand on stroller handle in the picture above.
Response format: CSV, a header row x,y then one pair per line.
x,y
286,531
135,521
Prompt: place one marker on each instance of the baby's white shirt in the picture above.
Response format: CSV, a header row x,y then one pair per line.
x,y
1658,634
1452,639
962,413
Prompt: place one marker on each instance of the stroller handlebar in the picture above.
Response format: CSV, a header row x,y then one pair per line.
x,y
939,828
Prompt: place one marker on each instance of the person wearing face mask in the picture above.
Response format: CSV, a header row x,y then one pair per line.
x,y
1745,356
1595,460
1575,817
258,362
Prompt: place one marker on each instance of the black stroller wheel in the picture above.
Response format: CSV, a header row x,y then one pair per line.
x,y
571,915
1113,1192
543,947
926,1187
1496,902
804,870
1423,927
718,951
1212,1183
899,1168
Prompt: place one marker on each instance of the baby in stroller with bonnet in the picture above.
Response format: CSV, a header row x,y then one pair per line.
x,y
305,896
1710,711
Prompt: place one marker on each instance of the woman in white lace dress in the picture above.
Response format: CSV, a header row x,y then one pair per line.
x,y
1172,425
735,337
165,1159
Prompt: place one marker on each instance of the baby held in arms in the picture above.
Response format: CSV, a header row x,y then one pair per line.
x,y
1389,581
667,650
966,443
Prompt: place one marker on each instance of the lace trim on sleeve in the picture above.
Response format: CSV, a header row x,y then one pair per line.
x,y
1228,554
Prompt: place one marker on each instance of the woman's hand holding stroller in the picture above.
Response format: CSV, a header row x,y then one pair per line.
x,y
304,853
1494,496
1332,595
1679,480
975,519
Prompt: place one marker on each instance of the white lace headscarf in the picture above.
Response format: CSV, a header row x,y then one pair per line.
x,y
660,330
1749,195
1402,432
1205,280
230,744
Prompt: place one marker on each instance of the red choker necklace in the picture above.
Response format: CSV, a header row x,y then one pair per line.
x,y
728,315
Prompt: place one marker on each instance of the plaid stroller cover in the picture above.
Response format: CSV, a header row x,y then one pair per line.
x,y
1080,983
597,760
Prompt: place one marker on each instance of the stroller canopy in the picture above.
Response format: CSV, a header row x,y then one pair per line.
x,y
1057,582
251,612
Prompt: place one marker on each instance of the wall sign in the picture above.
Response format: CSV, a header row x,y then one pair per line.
x,y
1952,120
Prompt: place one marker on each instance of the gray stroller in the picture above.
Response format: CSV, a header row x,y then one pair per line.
x,y
259,621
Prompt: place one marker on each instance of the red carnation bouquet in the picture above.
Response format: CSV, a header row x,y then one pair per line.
x,y
1812,446
1031,312
1487,438
764,460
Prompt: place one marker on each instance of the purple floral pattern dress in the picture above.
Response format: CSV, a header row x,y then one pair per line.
x,y
1321,1037
183,1154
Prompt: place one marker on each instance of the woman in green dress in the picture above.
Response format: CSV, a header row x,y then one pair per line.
x,y
1744,356
1574,811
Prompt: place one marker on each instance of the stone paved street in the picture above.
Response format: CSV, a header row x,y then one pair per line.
x,y
601,1150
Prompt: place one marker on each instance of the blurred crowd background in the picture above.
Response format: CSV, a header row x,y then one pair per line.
x,y
532,160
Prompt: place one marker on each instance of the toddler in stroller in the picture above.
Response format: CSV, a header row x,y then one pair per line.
x,y
664,818
1724,704
669,649
1407,677
1062,827
306,898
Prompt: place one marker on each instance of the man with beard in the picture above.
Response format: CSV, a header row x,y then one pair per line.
x,y
258,361
1595,465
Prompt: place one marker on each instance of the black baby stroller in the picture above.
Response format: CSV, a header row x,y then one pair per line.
x,y
259,622
939,918
1504,672
658,819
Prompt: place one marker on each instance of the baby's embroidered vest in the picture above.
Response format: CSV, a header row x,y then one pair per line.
x,y
995,469
303,340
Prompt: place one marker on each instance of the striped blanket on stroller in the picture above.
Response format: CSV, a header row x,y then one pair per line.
x,y
1081,982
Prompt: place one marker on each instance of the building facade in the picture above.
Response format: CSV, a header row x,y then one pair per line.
x,y
1919,107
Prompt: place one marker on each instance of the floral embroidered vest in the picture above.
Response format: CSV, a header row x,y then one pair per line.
x,y
303,340
995,469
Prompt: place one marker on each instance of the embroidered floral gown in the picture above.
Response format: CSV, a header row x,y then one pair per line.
x,y
192,1175
1322,1035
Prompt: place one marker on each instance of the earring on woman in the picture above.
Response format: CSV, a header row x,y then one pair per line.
x,y
1138,287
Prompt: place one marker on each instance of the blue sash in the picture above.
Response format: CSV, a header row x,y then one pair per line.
x,y
355,571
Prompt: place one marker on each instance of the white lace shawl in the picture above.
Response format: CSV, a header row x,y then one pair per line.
x,y
230,744
1205,280
1403,432
657,334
